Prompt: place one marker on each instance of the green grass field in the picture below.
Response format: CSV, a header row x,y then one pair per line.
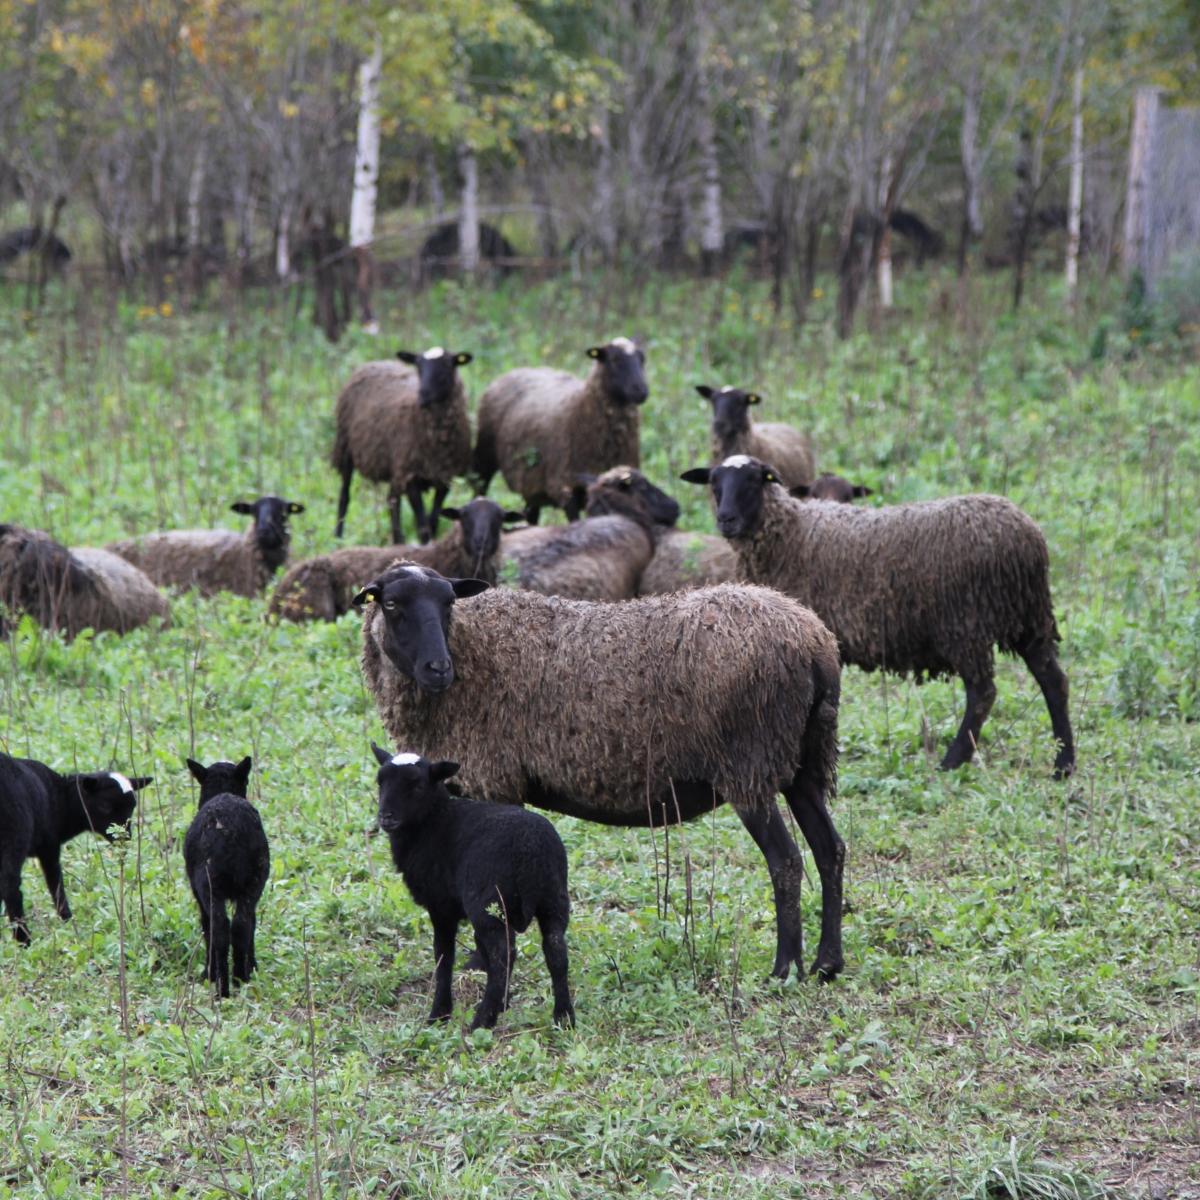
x,y
1020,1014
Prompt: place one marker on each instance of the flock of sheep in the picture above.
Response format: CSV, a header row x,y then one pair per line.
x,y
635,674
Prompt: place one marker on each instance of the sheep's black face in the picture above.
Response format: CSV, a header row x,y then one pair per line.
x,y
436,373
270,515
731,409
624,370
737,488
220,779
482,522
109,802
626,492
409,787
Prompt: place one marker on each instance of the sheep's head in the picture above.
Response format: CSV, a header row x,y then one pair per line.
x,y
830,487
220,779
270,515
482,522
628,493
737,488
437,371
624,365
409,787
415,604
730,409
108,801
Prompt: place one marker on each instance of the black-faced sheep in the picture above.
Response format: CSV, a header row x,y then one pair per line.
x,y
319,589
543,429
217,560
404,423
495,865
788,450
925,589
831,487
227,860
647,712
40,810
72,590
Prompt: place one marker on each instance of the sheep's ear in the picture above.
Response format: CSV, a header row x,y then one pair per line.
x,y
451,514
861,489
370,592
705,391
753,398
293,507
596,352
512,516
800,491
442,769
467,587
461,360
242,506
407,356
137,782
242,770
381,755
697,475
198,770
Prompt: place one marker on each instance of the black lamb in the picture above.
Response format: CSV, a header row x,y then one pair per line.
x,y
40,810
496,865
227,862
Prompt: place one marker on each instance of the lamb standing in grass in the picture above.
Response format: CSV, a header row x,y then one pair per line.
x,y
788,450
227,860
543,429
497,866
928,588
40,810
404,424
645,712
218,560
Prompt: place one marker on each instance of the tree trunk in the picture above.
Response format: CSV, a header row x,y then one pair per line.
x,y
366,182
1137,199
1075,200
712,232
283,249
883,247
606,193
972,222
535,164
437,194
1023,199
195,196
468,213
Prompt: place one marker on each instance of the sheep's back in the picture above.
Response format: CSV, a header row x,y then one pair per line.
x,y
132,596
687,560
210,560
598,558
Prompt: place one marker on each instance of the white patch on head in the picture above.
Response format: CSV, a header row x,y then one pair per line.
x,y
434,352
623,343
737,460
405,760
124,783
726,389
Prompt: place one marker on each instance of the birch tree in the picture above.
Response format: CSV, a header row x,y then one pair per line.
x,y
366,181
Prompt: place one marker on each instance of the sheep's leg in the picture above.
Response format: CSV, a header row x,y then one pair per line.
x,y
491,937
243,941
765,825
1042,662
806,799
435,512
574,505
477,962
14,902
343,503
219,946
554,948
444,929
533,510
396,518
52,870
981,695
417,500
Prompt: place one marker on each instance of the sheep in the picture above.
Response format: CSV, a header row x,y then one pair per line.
x,y
73,590
928,588
404,423
543,428
227,859
319,589
830,487
41,809
788,450
495,865
641,713
217,560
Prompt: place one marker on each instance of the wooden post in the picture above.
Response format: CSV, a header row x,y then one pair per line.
x,y
1134,255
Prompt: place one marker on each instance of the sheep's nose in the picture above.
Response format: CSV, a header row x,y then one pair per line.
x,y
438,666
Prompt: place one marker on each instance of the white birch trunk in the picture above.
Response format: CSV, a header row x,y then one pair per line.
x,y
884,265
283,254
606,193
366,158
195,194
468,214
1075,198
1141,149
712,230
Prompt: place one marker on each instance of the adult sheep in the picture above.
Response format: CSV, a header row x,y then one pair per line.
x,y
217,560
543,428
788,450
928,588
733,692
831,487
73,590
405,424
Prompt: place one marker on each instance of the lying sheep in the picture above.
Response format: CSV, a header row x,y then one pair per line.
x,y
646,712
733,432
497,866
227,860
543,428
319,589
73,590
830,487
927,588
218,560
40,810
404,424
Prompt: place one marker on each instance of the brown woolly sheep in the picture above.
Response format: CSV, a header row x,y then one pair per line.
x,y
543,428
788,450
319,589
831,487
217,560
928,588
72,590
404,423
641,713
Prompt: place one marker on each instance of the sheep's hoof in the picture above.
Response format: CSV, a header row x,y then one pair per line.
x,y
22,935
827,969
565,1017
1063,771
439,1015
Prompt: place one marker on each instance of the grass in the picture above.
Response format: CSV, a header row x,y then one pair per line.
x,y
1020,1015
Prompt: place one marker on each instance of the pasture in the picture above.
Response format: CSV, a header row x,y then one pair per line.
x,y
1021,1004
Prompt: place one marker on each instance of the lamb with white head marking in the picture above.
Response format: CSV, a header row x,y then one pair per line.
x,y
788,450
543,428
40,810
405,424
650,711
927,589
498,866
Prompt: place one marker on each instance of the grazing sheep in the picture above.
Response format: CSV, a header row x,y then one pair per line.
x,y
788,450
926,588
495,865
543,428
217,560
319,589
227,860
646,712
404,423
40,810
830,487
72,590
